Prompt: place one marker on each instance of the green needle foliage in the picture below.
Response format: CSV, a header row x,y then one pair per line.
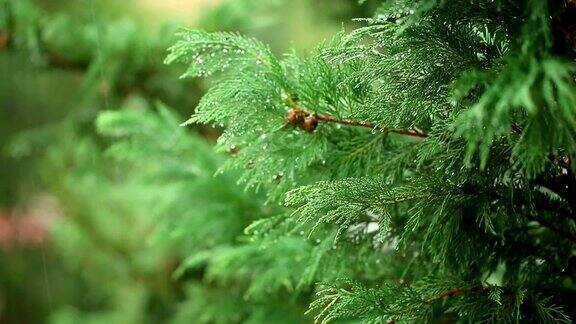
x,y
428,158
417,169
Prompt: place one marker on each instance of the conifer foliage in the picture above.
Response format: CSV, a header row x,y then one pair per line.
x,y
424,161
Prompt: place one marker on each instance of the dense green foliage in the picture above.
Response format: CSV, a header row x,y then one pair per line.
x,y
459,204
419,168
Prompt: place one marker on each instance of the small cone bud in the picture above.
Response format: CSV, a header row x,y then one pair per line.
x,y
310,123
295,116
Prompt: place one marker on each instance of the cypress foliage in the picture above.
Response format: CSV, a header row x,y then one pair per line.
x,y
417,169
427,158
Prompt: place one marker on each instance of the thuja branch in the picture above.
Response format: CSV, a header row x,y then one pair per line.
x,y
309,121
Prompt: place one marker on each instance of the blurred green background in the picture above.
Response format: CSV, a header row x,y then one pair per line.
x,y
76,226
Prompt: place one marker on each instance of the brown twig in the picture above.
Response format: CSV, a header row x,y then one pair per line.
x,y
456,291
331,119
309,121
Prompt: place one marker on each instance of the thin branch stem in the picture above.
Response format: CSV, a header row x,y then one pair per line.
x,y
331,119
455,292
408,132
308,121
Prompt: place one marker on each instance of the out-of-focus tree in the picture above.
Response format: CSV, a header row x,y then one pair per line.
x,y
112,224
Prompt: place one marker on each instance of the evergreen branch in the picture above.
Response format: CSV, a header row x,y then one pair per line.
x,y
208,53
507,91
553,227
309,121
